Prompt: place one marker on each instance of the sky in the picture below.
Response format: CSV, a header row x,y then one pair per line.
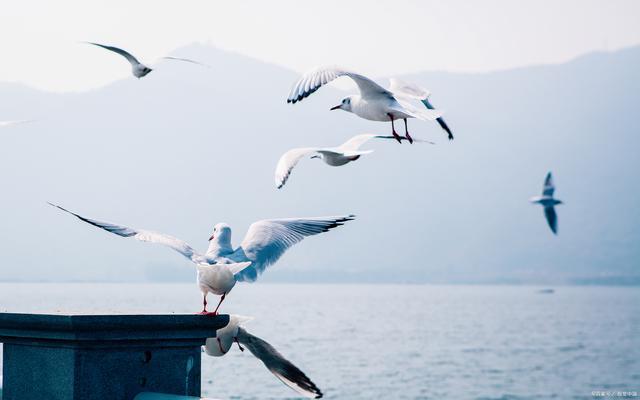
x,y
41,40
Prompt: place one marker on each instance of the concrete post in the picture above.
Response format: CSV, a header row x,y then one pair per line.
x,y
102,357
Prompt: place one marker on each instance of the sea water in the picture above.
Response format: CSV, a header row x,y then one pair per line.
x,y
397,341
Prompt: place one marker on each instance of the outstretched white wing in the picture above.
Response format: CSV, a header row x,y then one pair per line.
x,y
401,88
409,91
267,240
549,187
288,161
134,61
279,366
314,79
143,235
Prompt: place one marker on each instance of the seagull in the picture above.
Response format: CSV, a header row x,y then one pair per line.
x,y
548,202
221,267
374,102
334,156
279,366
403,89
4,124
137,68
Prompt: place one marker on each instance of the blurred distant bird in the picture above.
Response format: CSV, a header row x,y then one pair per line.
x,y
334,156
279,366
137,68
548,202
222,266
4,124
403,89
374,102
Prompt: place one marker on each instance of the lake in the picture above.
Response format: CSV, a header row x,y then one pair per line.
x,y
397,341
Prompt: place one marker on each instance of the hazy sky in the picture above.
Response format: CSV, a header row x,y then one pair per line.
x,y
39,39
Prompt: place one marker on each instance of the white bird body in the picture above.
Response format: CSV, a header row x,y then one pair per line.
x,y
373,103
548,202
275,362
215,278
334,156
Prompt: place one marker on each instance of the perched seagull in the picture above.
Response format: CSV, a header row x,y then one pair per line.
x,y
374,102
221,267
279,366
137,68
403,89
548,202
4,124
335,156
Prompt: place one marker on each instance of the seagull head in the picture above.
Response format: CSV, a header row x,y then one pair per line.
x,y
345,104
221,233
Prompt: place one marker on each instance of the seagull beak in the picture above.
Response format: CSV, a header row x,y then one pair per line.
x,y
316,156
212,237
336,107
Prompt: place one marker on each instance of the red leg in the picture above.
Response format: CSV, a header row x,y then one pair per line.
x,y
406,132
393,130
215,312
204,305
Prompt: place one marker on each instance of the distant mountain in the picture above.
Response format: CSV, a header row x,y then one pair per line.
x,y
187,147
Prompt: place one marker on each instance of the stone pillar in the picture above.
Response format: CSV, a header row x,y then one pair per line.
x,y
102,357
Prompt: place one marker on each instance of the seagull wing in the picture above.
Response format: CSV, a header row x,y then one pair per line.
x,y
144,236
134,61
314,79
355,142
407,90
440,120
267,240
288,161
279,366
549,187
15,122
185,60
552,218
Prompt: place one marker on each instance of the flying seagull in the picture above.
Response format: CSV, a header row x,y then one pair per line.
x,y
374,102
335,156
410,91
279,366
222,266
137,68
548,202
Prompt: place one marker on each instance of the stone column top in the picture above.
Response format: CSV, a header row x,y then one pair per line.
x,y
114,327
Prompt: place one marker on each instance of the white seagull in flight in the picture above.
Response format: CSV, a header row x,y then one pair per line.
x,y
137,68
548,202
222,266
374,102
279,366
335,156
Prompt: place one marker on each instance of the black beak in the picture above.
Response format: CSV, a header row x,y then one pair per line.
x,y
335,107
211,238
